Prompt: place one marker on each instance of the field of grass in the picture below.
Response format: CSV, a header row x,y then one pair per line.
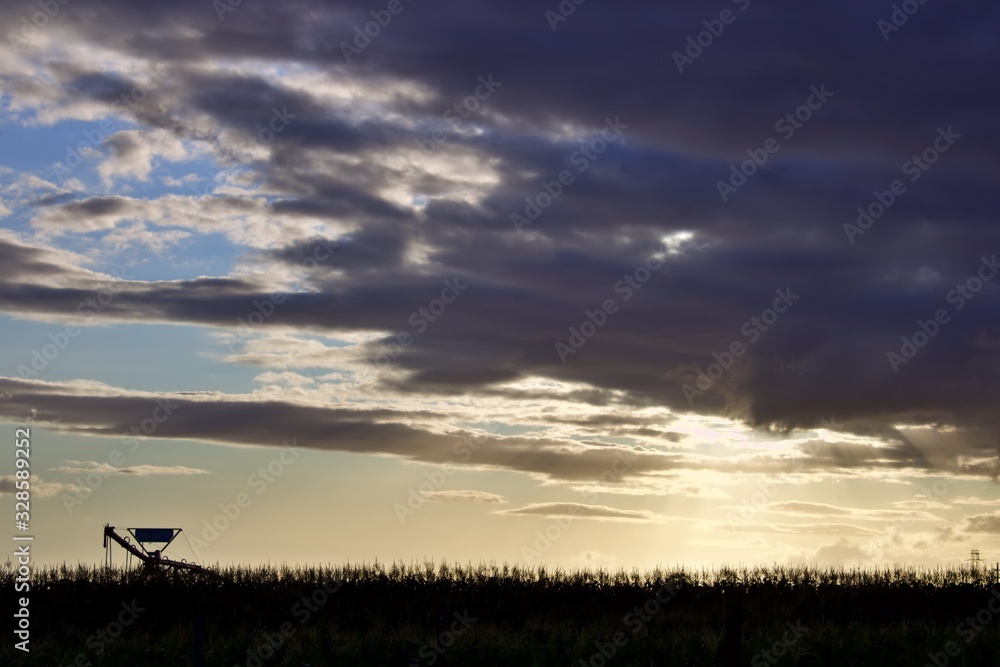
x,y
397,615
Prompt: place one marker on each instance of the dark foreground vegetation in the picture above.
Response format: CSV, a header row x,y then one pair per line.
x,y
389,616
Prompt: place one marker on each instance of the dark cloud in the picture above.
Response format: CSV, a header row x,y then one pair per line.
x,y
98,410
983,523
53,199
499,329
827,356
96,207
122,145
81,410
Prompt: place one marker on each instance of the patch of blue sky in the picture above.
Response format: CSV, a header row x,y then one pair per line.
x,y
200,255
39,149
143,357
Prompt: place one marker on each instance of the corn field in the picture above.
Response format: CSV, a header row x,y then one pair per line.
x,y
490,614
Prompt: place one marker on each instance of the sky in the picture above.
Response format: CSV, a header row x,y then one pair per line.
x,y
581,284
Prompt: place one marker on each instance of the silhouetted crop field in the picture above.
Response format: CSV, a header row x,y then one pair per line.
x,y
498,615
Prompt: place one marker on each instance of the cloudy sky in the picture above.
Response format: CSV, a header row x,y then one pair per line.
x,y
582,284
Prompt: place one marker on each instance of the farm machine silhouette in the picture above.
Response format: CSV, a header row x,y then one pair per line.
x,y
153,561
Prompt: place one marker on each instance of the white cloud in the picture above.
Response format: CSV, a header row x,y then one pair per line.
x,y
582,511
38,488
133,154
464,495
968,500
822,509
841,554
105,469
286,378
